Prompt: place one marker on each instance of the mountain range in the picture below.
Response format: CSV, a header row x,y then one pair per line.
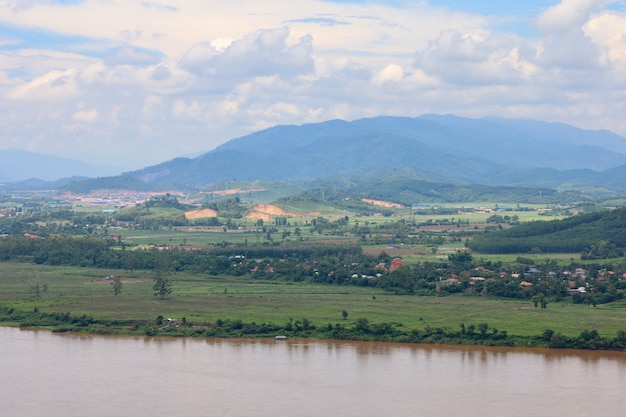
x,y
441,148
430,147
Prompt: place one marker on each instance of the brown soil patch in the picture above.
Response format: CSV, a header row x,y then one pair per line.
x,y
270,209
382,203
265,211
232,191
258,215
200,214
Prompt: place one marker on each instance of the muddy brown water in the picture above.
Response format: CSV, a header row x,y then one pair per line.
x,y
54,375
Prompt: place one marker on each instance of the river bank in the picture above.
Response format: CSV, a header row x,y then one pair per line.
x,y
480,334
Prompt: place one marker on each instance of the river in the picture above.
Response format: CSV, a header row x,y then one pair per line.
x,y
69,375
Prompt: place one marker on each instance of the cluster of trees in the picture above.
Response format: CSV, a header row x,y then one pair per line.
x,y
598,235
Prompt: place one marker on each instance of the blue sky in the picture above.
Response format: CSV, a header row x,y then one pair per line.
x,y
136,82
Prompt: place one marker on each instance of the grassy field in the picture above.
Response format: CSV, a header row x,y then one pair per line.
x,y
207,299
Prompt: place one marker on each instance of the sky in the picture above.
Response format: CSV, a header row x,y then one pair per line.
x,y
132,83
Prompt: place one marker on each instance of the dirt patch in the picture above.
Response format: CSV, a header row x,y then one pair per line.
x,y
265,211
258,215
382,203
270,209
233,191
200,214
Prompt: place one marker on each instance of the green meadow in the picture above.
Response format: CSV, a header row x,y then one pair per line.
x,y
207,299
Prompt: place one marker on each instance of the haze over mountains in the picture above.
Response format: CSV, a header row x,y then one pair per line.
x,y
18,165
431,147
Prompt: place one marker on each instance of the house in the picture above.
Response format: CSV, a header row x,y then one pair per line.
x,y
396,263
449,281
380,267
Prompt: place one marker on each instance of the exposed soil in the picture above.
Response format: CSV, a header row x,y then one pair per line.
x,y
200,214
265,211
258,215
382,203
233,191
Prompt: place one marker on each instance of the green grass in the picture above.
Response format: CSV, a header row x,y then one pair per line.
x,y
206,299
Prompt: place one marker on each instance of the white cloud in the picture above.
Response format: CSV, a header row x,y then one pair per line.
x,y
569,13
392,72
51,86
262,53
477,60
566,45
85,116
609,31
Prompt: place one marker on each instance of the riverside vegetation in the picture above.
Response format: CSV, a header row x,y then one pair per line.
x,y
344,275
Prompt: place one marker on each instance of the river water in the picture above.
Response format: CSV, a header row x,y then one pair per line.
x,y
53,375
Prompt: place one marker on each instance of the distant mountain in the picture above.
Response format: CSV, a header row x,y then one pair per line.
x,y
17,165
33,184
431,147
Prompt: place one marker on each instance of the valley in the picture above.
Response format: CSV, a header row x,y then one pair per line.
x,y
458,232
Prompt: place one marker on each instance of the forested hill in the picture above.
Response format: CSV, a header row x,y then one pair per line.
x,y
594,235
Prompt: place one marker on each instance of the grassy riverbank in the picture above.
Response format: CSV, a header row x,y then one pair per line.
x,y
81,299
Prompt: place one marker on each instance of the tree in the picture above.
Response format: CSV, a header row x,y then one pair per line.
x,y
362,325
116,286
344,314
37,287
540,300
461,259
482,328
590,300
131,263
162,286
